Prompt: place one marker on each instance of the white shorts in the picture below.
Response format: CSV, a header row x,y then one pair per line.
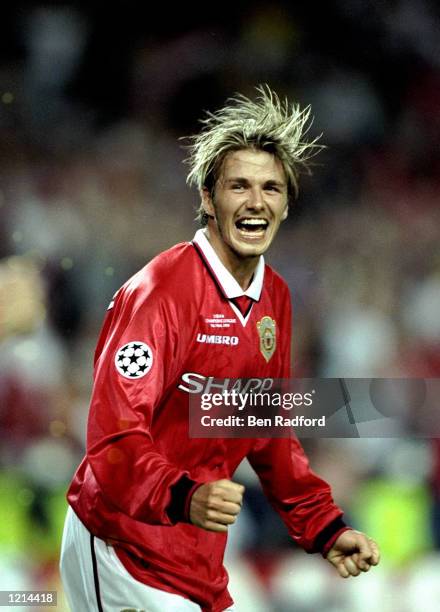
x,y
95,580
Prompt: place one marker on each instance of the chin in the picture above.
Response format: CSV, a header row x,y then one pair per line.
x,y
251,250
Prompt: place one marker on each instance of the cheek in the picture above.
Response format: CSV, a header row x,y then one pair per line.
x,y
223,211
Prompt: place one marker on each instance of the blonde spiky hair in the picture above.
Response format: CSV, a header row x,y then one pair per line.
x,y
267,124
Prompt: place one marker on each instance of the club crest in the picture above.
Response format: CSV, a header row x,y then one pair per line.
x,y
267,332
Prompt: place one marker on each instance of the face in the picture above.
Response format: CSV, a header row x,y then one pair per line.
x,y
248,205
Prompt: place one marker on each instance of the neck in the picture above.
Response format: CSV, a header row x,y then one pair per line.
x,y
241,268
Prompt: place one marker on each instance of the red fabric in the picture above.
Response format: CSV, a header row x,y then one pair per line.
x,y
243,303
137,442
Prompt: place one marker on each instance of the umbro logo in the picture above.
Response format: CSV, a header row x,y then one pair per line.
x,y
214,339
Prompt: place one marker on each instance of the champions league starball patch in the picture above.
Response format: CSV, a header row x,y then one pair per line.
x,y
134,360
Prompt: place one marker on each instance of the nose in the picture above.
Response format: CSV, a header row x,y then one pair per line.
x,y
255,200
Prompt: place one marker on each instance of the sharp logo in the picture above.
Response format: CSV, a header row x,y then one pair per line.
x,y
214,339
191,382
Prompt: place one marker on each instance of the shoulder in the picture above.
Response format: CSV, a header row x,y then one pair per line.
x,y
273,281
279,293
168,277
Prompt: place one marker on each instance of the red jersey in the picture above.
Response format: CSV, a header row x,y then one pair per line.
x,y
170,329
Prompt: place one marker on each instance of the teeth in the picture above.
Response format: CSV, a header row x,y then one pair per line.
x,y
253,222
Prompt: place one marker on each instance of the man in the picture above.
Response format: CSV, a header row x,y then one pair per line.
x,y
150,506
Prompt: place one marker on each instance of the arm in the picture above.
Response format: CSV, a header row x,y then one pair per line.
x,y
299,496
302,499
131,472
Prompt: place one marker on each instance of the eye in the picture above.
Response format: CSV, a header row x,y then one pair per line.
x,y
272,188
237,187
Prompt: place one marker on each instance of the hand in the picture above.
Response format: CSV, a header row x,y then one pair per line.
x,y
215,505
353,553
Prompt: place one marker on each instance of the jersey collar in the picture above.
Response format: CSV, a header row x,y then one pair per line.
x,y
227,283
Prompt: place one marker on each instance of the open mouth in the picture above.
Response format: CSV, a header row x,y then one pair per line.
x,y
251,226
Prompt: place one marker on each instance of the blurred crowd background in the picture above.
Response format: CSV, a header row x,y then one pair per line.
x,y
93,102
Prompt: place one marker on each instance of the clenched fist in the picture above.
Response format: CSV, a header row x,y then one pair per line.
x,y
353,553
216,505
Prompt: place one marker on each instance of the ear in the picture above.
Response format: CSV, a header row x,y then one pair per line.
x,y
207,202
285,213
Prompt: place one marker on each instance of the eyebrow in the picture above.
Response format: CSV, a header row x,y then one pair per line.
x,y
245,181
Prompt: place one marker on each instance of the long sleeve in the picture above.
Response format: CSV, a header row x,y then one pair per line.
x,y
131,470
301,498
